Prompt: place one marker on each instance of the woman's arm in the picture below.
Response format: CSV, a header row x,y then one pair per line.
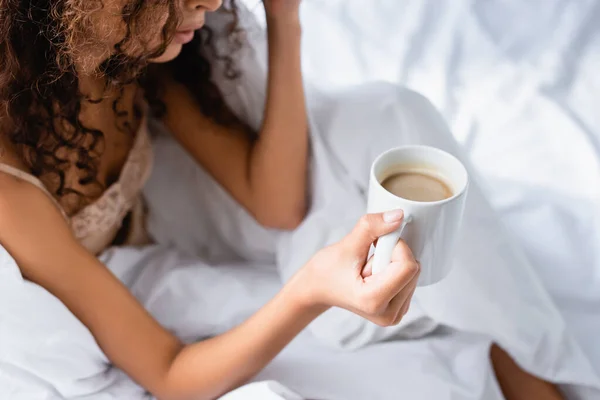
x,y
36,235
267,176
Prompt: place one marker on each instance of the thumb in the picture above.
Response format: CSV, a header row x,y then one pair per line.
x,y
372,226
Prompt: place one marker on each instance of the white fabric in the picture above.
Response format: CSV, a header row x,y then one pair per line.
x,y
45,353
268,390
494,291
518,83
495,284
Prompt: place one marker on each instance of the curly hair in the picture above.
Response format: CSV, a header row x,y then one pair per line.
x,y
42,42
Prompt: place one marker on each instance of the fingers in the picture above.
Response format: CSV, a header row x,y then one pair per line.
x,y
377,291
406,306
383,298
396,308
368,268
402,253
394,278
372,226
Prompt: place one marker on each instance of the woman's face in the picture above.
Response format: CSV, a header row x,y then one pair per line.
x,y
192,18
135,26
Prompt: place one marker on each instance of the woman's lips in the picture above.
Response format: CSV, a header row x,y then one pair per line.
x,y
183,37
185,34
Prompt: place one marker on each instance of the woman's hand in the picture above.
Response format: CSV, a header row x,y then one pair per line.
x,y
340,275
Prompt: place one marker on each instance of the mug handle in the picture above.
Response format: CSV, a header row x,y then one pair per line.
x,y
385,247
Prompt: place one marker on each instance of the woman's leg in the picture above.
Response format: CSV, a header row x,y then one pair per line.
x,y
517,384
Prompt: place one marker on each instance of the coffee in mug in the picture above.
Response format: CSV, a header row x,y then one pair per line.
x,y
417,184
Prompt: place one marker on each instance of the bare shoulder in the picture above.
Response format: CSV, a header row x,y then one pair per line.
x,y
20,199
32,228
15,194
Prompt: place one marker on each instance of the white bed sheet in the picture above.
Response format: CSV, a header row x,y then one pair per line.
x,y
46,353
444,366
519,84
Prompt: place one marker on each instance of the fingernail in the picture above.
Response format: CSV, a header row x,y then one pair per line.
x,y
393,216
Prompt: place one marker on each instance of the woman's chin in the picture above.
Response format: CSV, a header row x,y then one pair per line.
x,y
171,53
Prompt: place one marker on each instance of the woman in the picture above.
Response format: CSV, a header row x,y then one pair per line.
x,y
74,157
76,86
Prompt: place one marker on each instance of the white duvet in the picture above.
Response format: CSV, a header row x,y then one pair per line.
x,y
493,84
518,83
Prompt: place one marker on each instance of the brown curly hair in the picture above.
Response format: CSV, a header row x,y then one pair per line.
x,y
42,42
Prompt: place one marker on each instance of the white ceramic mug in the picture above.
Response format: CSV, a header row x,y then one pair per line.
x,y
430,228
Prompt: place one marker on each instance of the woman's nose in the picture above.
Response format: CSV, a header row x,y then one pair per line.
x,y
208,5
